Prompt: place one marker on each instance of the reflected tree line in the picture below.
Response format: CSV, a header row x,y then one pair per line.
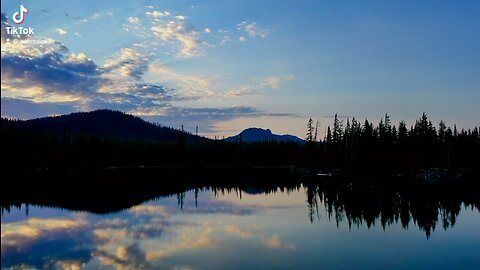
x,y
424,206
348,203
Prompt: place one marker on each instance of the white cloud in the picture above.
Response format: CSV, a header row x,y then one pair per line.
x,y
252,29
268,83
274,82
78,58
242,39
60,31
95,16
189,86
78,34
207,30
180,17
225,39
179,33
134,20
157,13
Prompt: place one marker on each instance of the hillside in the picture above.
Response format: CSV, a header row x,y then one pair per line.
x,y
103,123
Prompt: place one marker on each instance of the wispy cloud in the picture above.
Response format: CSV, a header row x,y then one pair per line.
x,y
134,20
179,33
157,14
268,83
60,31
129,63
95,16
190,86
252,29
271,241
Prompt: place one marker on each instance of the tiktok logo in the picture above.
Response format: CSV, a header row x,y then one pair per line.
x,y
19,16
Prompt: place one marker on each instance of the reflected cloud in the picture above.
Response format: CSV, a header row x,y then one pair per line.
x,y
70,265
129,257
193,237
159,234
271,241
149,209
29,242
142,237
21,233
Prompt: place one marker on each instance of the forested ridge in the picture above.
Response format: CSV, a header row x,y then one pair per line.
x,y
107,138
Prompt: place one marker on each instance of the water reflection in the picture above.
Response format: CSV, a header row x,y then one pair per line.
x,y
423,207
220,227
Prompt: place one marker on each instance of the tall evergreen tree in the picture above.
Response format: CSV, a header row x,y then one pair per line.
x,y
337,130
310,130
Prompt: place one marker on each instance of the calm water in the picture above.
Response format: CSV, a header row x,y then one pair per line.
x,y
298,229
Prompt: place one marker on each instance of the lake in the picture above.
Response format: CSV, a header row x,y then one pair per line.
x,y
299,227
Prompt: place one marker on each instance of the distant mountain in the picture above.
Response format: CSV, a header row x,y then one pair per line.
x,y
104,123
260,135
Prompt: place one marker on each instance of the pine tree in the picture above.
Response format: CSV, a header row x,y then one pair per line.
x,y
309,137
442,129
316,132
337,130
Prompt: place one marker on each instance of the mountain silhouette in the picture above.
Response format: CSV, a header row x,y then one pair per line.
x,y
103,123
260,135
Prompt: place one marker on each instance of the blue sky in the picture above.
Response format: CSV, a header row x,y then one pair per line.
x,y
229,65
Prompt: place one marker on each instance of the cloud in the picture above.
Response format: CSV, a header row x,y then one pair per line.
x,y
179,33
134,20
60,31
189,86
37,237
192,237
207,113
275,82
271,241
151,210
242,39
54,75
225,39
70,265
203,117
252,29
129,257
157,14
95,16
42,76
268,83
48,80
129,63
172,32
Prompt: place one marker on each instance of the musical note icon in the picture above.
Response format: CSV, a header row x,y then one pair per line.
x,y
19,16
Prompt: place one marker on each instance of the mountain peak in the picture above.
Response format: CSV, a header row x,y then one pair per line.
x,y
255,134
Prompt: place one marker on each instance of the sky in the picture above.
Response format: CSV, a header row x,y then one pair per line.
x,y
228,65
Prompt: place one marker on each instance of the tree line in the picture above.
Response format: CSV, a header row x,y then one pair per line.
x,y
385,146
348,146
